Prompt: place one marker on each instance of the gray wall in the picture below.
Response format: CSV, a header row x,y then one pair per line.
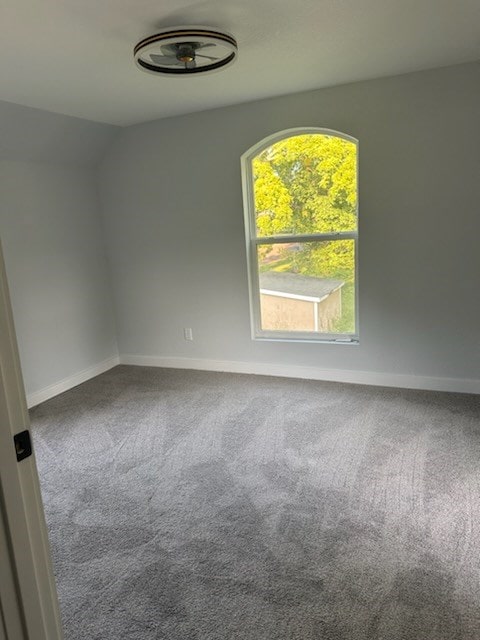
x,y
53,243
172,205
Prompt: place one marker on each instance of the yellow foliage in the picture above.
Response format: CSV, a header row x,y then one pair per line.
x,y
307,184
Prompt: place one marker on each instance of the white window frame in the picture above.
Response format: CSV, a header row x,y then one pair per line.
x,y
252,241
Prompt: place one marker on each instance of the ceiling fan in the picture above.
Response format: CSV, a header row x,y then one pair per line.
x,y
185,51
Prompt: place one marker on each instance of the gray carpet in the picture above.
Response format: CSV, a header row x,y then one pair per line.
x,y
188,505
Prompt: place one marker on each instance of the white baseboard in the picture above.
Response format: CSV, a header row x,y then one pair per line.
x,y
72,381
403,381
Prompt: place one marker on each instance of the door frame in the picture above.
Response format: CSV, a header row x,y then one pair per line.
x,y
11,618
29,605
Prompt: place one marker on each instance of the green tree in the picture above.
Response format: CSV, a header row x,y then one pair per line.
x,y
307,184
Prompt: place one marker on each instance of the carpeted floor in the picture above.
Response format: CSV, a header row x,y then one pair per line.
x,y
188,505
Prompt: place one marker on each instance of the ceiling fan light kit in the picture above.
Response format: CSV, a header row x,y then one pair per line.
x,y
185,51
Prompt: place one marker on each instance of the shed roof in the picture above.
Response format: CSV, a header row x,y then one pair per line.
x,y
298,285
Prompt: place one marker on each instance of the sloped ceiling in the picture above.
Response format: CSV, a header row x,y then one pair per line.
x,y
75,57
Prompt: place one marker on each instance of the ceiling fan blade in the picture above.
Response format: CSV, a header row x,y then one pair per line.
x,y
206,45
169,49
164,60
199,55
190,65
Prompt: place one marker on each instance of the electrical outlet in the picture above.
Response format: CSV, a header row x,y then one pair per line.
x,y
188,333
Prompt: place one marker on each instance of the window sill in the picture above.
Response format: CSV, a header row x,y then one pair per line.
x,y
309,339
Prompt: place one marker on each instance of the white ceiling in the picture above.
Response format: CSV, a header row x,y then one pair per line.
x,y
75,56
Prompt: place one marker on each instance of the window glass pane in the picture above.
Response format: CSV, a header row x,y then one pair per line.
x,y
306,184
307,286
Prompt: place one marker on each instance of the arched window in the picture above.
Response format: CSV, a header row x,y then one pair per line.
x,y
301,224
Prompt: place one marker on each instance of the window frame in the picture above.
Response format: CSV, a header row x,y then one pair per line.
x,y
253,241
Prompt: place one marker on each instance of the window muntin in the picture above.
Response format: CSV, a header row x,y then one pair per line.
x,y
300,191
